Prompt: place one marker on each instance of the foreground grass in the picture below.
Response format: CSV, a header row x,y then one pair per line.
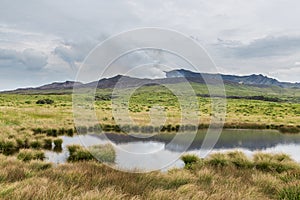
x,y
222,176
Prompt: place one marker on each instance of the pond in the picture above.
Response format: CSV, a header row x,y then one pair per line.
x,y
158,152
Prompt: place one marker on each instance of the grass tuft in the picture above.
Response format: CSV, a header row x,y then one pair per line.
x,y
28,155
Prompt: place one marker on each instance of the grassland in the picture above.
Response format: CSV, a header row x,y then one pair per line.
x,y
20,114
221,176
26,128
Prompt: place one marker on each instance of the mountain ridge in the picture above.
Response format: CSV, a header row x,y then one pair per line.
x,y
252,79
172,77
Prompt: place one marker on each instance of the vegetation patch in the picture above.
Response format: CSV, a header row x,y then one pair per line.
x,y
28,155
44,101
103,153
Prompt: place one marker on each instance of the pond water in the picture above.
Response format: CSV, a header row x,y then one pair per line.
x,y
158,152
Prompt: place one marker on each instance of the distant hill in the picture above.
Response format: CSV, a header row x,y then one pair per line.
x,y
248,80
54,87
172,77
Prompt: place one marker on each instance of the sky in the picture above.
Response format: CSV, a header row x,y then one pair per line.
x,y
42,41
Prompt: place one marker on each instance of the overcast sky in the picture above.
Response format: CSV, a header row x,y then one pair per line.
x,y
42,41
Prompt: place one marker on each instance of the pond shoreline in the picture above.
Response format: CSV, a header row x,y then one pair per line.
x,y
108,128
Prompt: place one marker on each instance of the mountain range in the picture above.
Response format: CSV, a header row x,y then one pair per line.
x,y
172,77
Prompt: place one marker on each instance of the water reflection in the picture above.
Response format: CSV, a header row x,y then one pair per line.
x,y
247,141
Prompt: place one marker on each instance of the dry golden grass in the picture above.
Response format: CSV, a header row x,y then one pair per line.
x,y
92,180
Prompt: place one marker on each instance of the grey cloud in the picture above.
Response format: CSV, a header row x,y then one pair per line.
x,y
72,52
263,47
33,59
29,58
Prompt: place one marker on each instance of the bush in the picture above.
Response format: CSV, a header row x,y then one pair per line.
x,y
27,155
45,101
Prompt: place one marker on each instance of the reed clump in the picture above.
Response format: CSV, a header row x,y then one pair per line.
x,y
28,155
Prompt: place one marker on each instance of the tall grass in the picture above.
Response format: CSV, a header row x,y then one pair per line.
x,y
93,180
8,146
28,155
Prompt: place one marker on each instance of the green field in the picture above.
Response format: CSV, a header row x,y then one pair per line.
x,y
20,113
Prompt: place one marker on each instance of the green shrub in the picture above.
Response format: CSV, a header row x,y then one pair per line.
x,y
45,101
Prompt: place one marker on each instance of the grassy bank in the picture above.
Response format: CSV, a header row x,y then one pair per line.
x,y
221,176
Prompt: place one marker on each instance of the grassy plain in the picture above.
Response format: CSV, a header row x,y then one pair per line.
x,y
19,113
